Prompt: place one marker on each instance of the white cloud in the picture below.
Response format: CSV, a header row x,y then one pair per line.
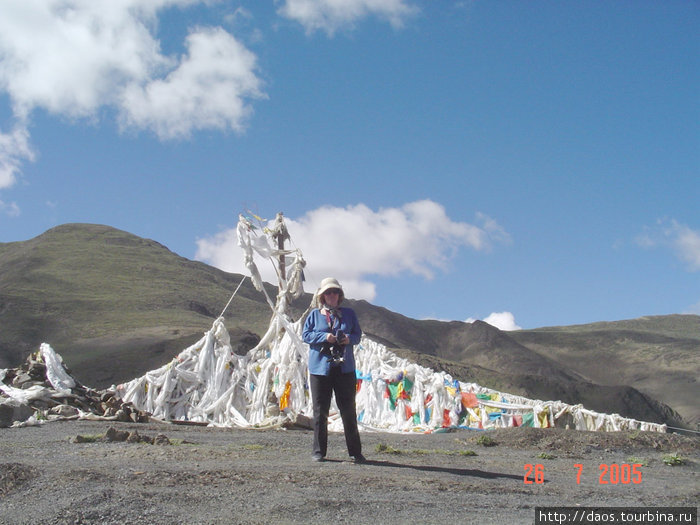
x,y
502,320
73,58
209,89
14,149
682,239
687,245
331,15
9,208
356,243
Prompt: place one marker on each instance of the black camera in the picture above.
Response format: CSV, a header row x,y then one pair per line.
x,y
337,350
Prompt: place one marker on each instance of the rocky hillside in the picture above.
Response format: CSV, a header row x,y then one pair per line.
x,y
115,305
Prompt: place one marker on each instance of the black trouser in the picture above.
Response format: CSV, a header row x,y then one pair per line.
x,y
322,388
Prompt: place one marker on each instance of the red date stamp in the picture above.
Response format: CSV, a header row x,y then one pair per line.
x,y
612,474
624,474
537,473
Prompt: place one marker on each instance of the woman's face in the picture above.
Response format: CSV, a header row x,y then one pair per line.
x,y
331,297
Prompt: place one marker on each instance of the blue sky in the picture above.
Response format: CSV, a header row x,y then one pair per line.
x,y
529,163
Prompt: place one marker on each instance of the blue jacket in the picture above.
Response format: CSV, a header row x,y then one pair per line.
x,y
316,328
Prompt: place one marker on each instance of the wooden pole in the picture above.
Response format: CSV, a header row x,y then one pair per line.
x,y
282,263
281,234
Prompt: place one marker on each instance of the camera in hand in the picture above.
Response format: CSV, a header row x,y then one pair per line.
x,y
337,350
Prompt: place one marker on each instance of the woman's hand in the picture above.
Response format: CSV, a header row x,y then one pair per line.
x,y
331,338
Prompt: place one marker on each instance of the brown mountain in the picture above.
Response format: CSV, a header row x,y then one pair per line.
x,y
115,305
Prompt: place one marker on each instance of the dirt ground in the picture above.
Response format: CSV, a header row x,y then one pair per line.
x,y
216,476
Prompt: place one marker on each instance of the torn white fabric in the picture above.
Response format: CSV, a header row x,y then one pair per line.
x,y
55,372
208,382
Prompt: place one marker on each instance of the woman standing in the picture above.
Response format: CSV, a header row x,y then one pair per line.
x,y
331,332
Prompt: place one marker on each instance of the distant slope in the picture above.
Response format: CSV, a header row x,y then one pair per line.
x,y
481,353
115,305
658,355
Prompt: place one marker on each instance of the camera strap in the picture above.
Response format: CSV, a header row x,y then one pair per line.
x,y
332,320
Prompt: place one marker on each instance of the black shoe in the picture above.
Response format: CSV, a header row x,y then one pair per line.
x,y
317,457
359,459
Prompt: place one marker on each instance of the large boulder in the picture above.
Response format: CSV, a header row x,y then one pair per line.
x,y
12,410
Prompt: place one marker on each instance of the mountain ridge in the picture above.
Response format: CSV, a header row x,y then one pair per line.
x,y
115,305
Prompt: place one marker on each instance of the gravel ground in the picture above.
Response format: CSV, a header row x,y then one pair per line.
x,y
215,476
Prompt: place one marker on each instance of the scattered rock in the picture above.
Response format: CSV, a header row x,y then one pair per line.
x,y
46,403
301,422
21,379
124,436
11,411
116,435
66,411
161,439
